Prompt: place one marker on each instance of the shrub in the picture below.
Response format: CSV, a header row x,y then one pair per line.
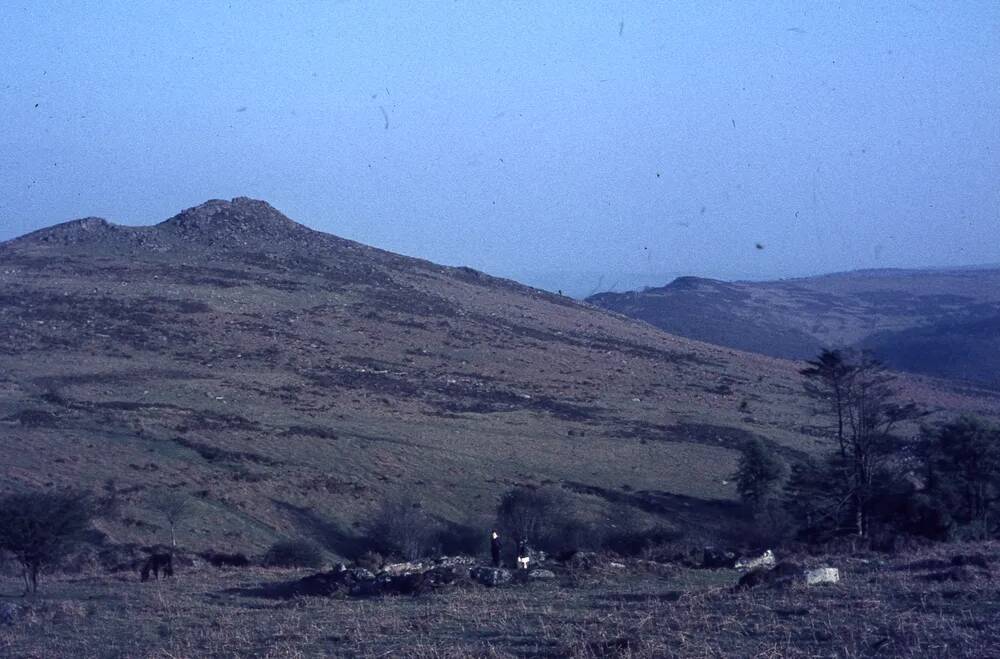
x,y
546,518
759,474
294,553
402,528
40,528
459,539
963,474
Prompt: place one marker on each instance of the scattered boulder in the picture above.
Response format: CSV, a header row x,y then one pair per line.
x,y
397,569
584,560
358,574
490,576
822,575
443,575
454,561
542,574
765,561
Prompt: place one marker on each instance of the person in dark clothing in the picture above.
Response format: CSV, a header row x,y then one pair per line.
x,y
495,548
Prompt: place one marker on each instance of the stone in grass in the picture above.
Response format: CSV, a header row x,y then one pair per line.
x,y
541,574
490,576
764,561
822,575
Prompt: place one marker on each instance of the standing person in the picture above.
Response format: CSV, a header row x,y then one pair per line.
x,y
523,555
495,548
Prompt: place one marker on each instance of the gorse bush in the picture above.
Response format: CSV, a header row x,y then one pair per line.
x,y
294,553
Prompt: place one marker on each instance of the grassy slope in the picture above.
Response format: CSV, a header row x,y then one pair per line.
x,y
289,386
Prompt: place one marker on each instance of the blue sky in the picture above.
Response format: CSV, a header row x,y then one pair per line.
x,y
560,143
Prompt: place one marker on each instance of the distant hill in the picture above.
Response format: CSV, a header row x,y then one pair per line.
x,y
936,322
288,380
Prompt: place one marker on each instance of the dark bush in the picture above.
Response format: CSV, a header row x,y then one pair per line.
x,y
546,518
294,553
221,559
962,462
40,528
402,528
759,474
461,540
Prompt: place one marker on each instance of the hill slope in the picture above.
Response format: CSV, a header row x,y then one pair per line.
x,y
937,322
288,380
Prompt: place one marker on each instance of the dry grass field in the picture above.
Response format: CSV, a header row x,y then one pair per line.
x,y
915,605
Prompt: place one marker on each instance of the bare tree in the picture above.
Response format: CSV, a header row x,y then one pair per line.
x,y
174,507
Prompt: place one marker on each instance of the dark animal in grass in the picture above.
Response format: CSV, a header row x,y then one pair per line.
x,y
157,563
219,559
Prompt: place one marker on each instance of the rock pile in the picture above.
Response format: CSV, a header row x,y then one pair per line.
x,y
409,578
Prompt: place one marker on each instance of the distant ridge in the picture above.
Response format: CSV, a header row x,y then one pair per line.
x,y
943,322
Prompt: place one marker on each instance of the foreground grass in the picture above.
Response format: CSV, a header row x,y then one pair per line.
x,y
881,608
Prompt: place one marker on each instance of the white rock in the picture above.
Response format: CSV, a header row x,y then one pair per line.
x,y
822,575
765,560
541,574
397,569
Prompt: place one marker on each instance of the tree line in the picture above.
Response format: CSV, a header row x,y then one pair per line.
x,y
873,480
